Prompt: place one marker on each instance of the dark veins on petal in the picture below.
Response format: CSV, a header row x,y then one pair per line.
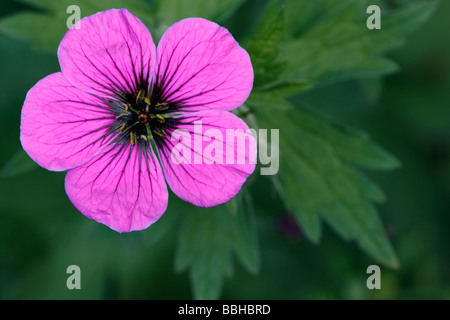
x,y
144,111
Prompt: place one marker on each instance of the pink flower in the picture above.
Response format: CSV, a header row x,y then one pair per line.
x,y
117,95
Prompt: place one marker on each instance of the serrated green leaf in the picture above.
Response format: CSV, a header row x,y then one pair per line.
x,y
410,17
317,179
263,98
20,163
283,90
332,42
368,189
244,232
206,241
351,145
263,45
203,245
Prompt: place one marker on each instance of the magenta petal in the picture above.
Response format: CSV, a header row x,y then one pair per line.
x,y
201,67
123,188
112,51
62,126
209,172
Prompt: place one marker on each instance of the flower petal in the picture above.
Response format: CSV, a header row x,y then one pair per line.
x,y
111,52
208,158
200,67
123,188
62,126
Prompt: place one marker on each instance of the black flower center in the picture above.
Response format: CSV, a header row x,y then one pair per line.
x,y
140,118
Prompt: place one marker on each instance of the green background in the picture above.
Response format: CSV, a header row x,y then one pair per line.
x,y
406,112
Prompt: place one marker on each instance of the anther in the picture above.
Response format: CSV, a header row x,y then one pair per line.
x,y
139,95
158,132
160,118
161,106
121,115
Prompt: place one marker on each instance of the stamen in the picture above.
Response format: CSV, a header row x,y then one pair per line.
x,y
160,118
121,115
143,120
160,132
139,95
161,106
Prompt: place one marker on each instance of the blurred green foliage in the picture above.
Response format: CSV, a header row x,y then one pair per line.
x,y
317,67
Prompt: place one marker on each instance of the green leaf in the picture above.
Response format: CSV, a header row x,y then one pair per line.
x,y
244,232
285,89
410,17
20,163
206,241
170,11
203,246
329,40
263,46
46,27
319,179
